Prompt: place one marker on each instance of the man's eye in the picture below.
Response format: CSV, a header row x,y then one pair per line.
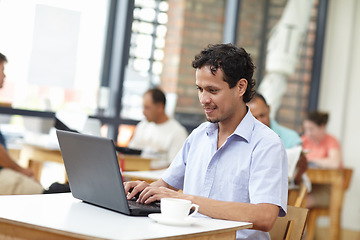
x,y
199,89
212,90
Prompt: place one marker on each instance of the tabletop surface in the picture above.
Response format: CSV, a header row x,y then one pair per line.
x,y
65,213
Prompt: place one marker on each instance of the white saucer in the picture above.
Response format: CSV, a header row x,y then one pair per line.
x,y
158,217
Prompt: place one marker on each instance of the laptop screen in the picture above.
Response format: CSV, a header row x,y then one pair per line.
x,y
93,171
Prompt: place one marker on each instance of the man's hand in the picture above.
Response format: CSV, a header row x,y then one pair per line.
x,y
135,186
151,194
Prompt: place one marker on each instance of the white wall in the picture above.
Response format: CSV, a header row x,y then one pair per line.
x,y
340,94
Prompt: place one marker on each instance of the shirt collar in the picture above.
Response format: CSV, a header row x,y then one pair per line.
x,y
243,130
211,128
246,126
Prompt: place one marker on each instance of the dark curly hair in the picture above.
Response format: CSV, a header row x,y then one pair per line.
x,y
235,62
319,118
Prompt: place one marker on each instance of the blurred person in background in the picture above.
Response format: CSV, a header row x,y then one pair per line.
x,y
323,151
14,179
158,135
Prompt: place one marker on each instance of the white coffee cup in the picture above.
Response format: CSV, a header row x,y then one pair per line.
x,y
177,208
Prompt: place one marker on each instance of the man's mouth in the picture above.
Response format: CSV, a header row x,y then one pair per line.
x,y
209,110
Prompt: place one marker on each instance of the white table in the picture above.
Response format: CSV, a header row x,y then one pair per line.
x,y
60,216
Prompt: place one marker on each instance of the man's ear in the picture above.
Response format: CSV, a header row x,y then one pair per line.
x,y
160,106
241,86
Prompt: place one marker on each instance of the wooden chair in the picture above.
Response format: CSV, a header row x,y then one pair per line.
x,y
317,212
297,196
290,227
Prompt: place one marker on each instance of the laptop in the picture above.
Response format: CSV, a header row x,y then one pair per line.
x,y
62,126
94,174
128,151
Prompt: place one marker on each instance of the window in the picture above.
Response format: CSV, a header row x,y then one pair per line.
x,y
146,54
55,52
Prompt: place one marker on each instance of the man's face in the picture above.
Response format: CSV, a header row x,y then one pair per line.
x,y
150,109
219,101
2,74
260,110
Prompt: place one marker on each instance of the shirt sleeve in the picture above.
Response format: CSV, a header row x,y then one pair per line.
x,y
269,177
177,142
175,174
333,143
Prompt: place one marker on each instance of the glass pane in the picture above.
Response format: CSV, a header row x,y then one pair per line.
x,y
157,68
146,54
142,27
161,31
54,48
163,6
160,43
162,18
143,46
145,3
147,14
158,54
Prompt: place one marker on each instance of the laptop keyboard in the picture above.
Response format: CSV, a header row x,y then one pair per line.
x,y
135,205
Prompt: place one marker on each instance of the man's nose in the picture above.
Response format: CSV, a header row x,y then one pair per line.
x,y
204,98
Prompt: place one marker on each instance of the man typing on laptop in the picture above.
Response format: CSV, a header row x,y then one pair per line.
x,y
233,167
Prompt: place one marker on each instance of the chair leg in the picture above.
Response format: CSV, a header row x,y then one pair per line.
x,y
311,225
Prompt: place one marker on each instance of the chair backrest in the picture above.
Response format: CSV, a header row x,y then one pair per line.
x,y
297,196
290,227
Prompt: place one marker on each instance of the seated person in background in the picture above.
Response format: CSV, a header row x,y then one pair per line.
x,y
158,136
261,111
232,166
15,179
322,150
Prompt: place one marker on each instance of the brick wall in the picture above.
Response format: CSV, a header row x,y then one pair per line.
x,y
295,100
250,28
193,24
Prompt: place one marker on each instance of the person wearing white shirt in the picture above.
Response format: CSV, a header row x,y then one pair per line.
x,y
158,136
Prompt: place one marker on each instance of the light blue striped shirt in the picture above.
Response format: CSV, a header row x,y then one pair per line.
x,y
250,167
